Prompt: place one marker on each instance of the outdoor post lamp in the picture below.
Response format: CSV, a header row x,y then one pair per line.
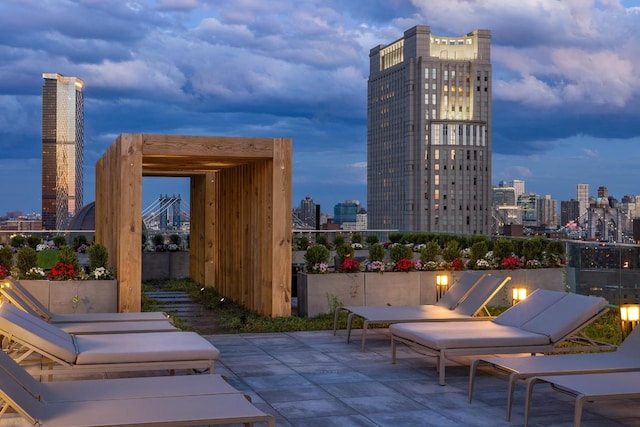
x,y
518,294
630,316
442,283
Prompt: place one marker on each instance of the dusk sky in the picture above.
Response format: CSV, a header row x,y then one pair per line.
x,y
566,84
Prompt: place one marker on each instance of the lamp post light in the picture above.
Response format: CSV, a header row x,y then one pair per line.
x,y
442,284
630,316
518,293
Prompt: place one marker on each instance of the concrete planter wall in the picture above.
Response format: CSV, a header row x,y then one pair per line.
x,y
75,296
165,265
319,293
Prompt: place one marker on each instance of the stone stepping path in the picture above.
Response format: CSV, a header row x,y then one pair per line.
x,y
190,312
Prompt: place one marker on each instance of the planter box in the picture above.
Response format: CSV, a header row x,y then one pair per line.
x,y
165,265
392,288
75,296
319,293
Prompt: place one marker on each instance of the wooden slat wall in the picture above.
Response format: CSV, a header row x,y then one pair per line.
x,y
240,214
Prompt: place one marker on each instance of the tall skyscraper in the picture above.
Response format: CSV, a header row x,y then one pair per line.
x,y
62,149
518,186
582,196
429,133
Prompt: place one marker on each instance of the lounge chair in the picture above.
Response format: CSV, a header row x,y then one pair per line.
x,y
588,388
13,290
536,325
625,358
148,401
466,298
66,353
80,328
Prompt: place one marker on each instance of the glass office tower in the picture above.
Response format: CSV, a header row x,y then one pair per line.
x,y
62,149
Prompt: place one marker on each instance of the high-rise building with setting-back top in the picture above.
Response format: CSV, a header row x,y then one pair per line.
x,y
429,133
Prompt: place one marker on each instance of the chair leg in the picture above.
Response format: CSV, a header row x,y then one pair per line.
x,y
577,412
365,326
510,388
442,363
393,350
527,398
472,376
349,324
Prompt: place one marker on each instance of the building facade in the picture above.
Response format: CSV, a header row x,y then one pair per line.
x,y
62,149
429,133
582,196
346,211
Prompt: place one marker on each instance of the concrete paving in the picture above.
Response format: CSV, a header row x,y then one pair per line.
x,y
314,379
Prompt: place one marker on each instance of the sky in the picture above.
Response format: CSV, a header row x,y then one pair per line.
x,y
566,84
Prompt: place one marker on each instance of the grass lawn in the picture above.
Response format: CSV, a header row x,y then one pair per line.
x,y
47,258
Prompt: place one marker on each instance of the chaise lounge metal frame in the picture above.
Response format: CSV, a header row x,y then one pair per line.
x,y
464,301
54,351
536,325
148,401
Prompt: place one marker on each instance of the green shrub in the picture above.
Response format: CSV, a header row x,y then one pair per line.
x,y
377,252
66,255
400,251
316,255
6,257
79,240
372,239
532,248
339,240
478,251
175,239
33,241
303,243
344,251
59,241
158,240
356,238
26,259
18,241
451,251
98,256
502,248
430,252
322,240
395,237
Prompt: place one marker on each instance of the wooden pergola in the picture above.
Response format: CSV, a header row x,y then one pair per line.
x,y
240,213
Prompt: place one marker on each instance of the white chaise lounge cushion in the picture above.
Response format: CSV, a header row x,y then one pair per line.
x,y
451,335
146,347
565,315
523,312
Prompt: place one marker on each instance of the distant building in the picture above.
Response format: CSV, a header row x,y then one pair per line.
x,y
569,211
429,133
306,212
582,195
360,223
547,211
504,196
528,204
62,149
346,211
518,187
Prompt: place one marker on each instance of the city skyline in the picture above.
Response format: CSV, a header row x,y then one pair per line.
x,y
564,85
